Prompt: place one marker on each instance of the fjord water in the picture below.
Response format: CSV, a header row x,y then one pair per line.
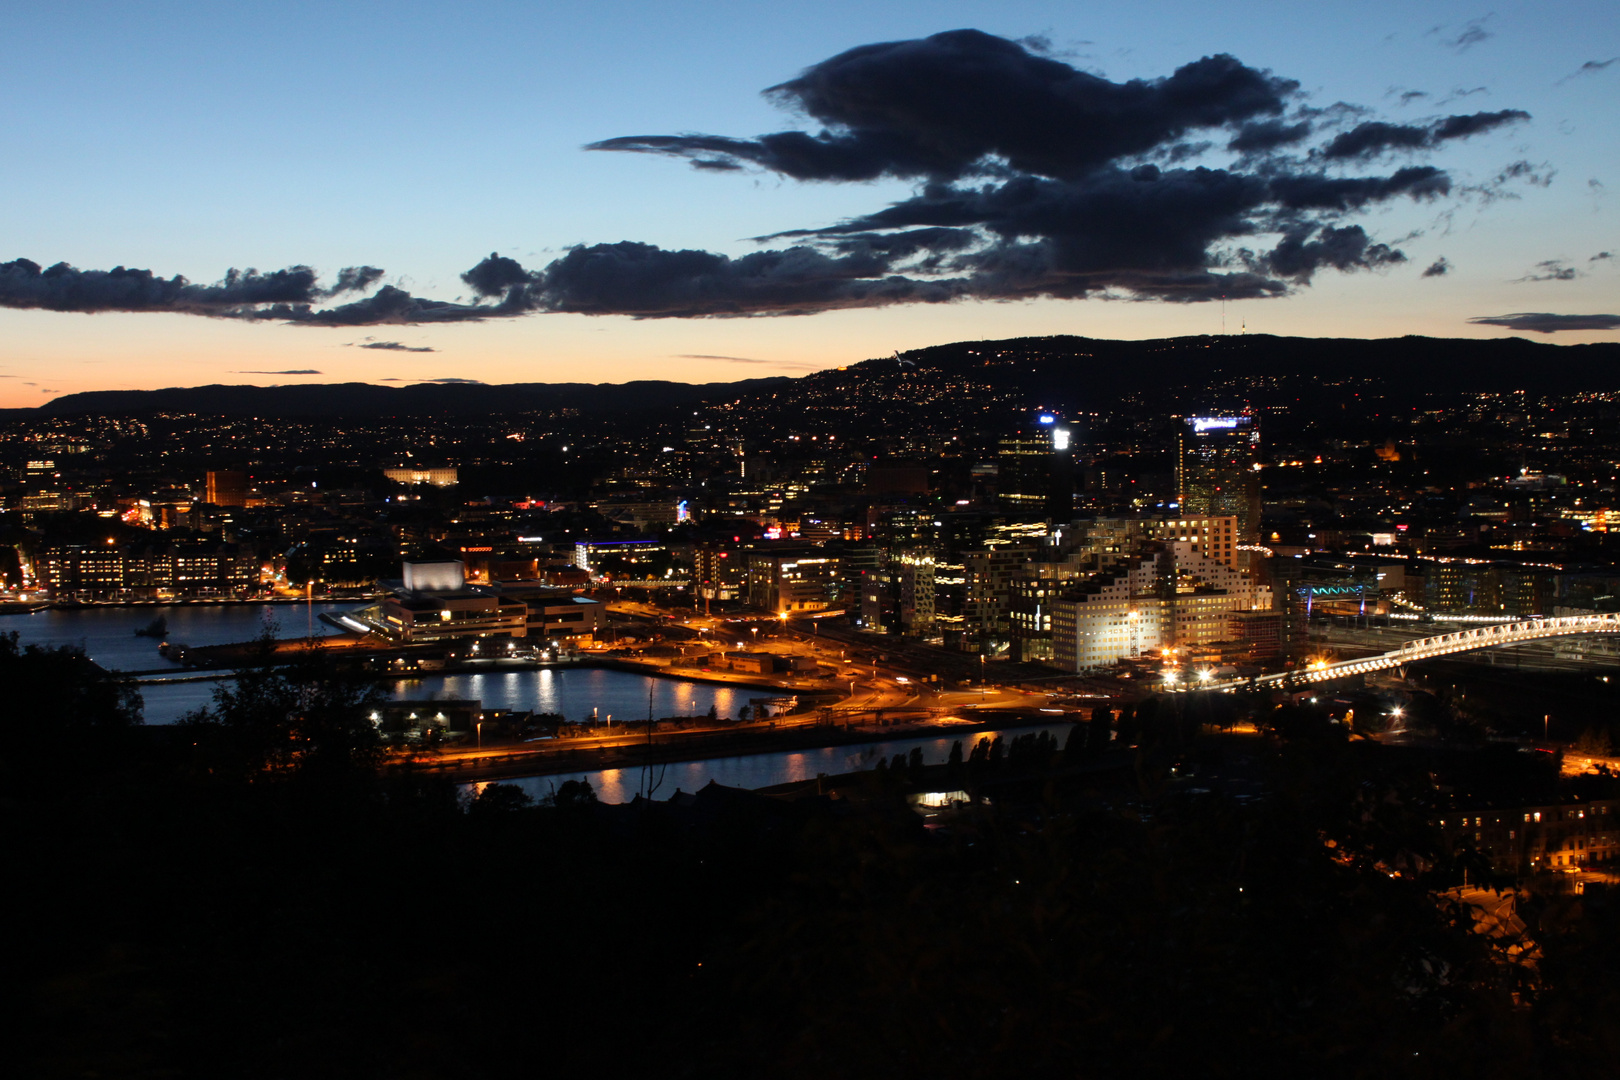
x,y
108,633
108,636
761,770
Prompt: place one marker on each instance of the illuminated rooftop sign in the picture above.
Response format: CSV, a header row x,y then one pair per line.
x,y
1048,418
1202,424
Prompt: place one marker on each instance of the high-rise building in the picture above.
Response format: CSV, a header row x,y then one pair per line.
x,y
1035,469
1218,471
227,487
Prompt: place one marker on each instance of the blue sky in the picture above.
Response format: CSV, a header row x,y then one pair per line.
x,y
419,137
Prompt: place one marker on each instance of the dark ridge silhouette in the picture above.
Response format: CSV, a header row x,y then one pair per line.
x,y
1059,368
357,399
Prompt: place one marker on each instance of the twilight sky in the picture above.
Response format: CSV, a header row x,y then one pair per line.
x,y
540,191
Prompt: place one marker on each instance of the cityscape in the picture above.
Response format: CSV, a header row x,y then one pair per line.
x,y
1087,617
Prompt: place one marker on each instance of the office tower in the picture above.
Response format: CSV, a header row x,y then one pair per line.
x,y
227,487
1218,470
1035,469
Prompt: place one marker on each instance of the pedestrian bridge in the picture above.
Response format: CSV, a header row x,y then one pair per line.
x,y
1479,637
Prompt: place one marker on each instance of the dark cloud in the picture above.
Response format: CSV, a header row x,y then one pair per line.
x,y
495,275
1591,67
1525,172
1307,250
1268,135
293,371
1601,256
352,279
447,381
1473,32
390,305
943,107
1373,137
25,284
649,282
1033,179
1542,322
1551,270
392,346
1439,268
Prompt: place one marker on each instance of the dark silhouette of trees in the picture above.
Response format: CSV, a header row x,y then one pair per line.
x,y
57,699
302,717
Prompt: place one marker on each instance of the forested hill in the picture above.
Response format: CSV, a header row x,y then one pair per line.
x,y
1061,371
369,400
1419,364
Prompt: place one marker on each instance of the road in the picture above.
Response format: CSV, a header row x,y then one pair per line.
x,y
873,672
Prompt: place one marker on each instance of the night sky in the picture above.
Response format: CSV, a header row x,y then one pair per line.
x,y
200,193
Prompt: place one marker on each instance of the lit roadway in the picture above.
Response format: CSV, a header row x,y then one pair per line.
x,y
1429,648
871,683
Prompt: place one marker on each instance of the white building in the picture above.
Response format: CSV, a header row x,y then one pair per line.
x,y
1174,597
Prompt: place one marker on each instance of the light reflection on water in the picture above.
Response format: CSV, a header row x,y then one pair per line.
x,y
108,636
573,692
761,770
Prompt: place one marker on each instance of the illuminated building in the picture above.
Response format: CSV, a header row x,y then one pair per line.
x,y
1218,470
140,571
914,571
1171,598
434,605
1521,839
1214,537
1035,469
720,572
990,574
800,579
440,477
631,557
226,487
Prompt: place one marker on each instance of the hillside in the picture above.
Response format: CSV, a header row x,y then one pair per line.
x,y
952,382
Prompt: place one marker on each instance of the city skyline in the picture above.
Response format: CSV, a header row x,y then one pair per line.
x,y
453,156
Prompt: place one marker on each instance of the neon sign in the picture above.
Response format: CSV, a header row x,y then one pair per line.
x,y
1202,424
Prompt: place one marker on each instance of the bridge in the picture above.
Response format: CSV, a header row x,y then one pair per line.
x,y
1479,637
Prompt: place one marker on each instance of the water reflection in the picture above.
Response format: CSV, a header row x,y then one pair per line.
x,y
762,770
576,693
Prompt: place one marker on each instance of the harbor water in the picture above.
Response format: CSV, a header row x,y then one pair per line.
x,y
761,770
108,637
